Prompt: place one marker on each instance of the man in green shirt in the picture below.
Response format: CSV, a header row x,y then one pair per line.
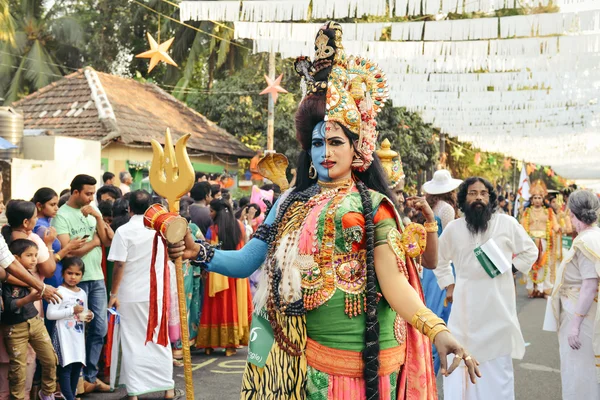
x,y
78,218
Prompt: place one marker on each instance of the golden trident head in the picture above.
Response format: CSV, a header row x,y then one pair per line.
x,y
171,173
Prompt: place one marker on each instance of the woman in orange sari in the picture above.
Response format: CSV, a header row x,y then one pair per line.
x,y
227,305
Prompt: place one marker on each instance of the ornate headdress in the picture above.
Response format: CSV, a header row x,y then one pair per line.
x,y
355,87
538,189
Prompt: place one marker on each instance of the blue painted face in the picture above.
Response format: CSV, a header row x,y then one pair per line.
x,y
331,152
318,150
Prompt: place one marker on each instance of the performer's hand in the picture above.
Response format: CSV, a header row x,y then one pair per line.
x,y
450,294
187,248
447,344
573,337
420,204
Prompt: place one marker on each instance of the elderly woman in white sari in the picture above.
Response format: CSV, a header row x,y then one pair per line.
x,y
574,302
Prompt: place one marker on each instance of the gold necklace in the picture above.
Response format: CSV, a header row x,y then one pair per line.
x,y
335,184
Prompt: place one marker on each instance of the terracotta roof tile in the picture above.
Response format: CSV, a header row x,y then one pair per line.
x,y
142,112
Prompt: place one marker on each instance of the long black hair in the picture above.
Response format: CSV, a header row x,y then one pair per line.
x,y
463,189
310,112
16,212
43,195
228,227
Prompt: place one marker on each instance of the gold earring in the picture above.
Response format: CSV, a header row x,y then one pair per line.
x,y
312,171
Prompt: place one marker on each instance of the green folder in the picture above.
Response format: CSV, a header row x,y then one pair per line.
x,y
486,263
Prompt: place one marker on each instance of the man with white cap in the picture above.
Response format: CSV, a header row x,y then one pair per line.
x,y
441,196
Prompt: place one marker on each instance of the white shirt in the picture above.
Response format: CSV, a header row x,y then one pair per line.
x,y
484,314
444,212
124,188
6,257
132,244
70,329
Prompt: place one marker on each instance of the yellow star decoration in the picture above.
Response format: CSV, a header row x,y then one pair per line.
x,y
274,87
457,153
157,53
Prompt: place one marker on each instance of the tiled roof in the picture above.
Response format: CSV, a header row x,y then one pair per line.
x,y
94,105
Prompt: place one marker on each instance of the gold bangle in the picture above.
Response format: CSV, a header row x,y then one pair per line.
x,y
58,257
438,329
431,227
429,324
580,315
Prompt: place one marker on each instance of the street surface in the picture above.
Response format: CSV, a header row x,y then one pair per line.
x,y
537,376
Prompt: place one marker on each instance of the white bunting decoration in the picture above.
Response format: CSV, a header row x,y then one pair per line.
x,y
209,10
412,31
289,10
527,86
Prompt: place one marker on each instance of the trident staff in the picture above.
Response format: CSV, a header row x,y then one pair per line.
x,y
172,176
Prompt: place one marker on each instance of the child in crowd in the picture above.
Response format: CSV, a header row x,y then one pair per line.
x,y
21,326
69,336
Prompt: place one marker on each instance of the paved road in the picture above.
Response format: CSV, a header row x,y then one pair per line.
x,y
217,377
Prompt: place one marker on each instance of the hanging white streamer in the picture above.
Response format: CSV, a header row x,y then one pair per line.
x,y
289,10
209,11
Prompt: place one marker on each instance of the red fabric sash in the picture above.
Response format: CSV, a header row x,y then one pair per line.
x,y
417,380
163,336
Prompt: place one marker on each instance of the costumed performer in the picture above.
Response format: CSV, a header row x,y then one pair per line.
x,y
340,288
541,224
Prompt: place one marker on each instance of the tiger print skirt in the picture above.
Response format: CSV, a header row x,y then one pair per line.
x,y
283,376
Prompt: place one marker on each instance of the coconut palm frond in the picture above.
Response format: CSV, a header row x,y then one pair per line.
x,y
7,24
16,84
67,30
39,68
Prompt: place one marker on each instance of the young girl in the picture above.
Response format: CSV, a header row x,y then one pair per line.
x,y
68,337
46,204
227,303
21,325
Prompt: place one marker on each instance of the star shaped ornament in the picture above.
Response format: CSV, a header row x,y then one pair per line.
x,y
457,153
157,53
274,87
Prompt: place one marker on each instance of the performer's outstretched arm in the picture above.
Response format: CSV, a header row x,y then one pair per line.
x,y
233,263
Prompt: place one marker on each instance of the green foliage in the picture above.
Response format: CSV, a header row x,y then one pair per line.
x,y
38,47
235,105
490,167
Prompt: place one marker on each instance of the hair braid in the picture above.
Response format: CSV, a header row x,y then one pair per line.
x,y
370,354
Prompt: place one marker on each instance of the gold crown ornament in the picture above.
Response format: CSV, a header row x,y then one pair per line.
x,y
538,188
273,166
356,89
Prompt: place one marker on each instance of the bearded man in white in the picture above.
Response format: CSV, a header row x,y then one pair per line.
x,y
484,314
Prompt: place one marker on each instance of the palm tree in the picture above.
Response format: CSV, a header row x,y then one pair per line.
x,y
7,24
28,58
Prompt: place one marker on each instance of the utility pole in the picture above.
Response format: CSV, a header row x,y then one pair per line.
x,y
271,115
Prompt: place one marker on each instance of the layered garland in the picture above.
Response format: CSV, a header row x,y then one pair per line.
x,y
541,262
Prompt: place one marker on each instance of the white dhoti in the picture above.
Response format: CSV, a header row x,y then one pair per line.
x,y
497,381
148,367
577,367
545,274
